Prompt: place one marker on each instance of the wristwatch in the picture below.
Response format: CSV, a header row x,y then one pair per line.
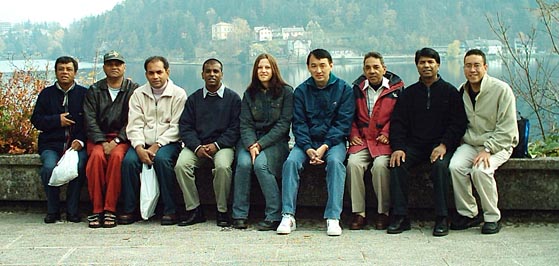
x,y
117,140
486,149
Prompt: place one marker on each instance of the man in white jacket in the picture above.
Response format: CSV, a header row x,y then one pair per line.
x,y
153,131
491,135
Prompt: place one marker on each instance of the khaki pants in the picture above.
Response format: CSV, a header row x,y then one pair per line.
x,y
356,166
222,175
464,173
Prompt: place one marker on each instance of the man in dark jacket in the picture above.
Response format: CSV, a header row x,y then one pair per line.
x,y
209,129
58,114
427,123
376,92
323,108
106,116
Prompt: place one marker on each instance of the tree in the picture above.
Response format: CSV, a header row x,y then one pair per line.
x,y
533,77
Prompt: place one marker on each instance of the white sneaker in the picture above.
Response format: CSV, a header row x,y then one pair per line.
x,y
287,225
333,227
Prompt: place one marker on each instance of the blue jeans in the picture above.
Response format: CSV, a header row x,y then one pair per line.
x,y
242,184
49,158
335,179
164,164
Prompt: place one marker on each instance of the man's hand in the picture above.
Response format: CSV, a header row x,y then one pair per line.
x,y
482,156
254,150
202,153
76,145
108,147
144,155
65,120
438,153
397,158
383,139
211,149
152,150
355,141
315,156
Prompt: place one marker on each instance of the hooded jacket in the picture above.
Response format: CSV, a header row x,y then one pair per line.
x,y
368,128
322,116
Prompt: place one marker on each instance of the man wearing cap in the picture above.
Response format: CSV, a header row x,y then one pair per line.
x,y
106,116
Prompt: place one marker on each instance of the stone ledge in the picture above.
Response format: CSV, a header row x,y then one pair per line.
x,y
524,184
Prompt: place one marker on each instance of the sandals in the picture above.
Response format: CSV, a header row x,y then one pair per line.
x,y
109,220
94,220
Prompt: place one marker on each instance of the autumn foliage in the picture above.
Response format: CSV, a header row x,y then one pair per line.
x,y
17,100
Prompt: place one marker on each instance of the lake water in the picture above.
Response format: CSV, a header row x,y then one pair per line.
x,y
237,77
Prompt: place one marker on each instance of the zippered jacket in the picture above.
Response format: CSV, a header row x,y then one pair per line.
x,y
369,128
425,117
322,116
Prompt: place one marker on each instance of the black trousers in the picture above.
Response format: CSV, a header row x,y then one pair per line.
x,y
440,176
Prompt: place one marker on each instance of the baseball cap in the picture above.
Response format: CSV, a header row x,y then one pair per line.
x,y
113,55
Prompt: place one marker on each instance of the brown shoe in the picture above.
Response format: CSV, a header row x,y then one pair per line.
x,y
169,219
382,221
358,222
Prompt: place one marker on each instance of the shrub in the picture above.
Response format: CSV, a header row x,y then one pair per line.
x,y
18,94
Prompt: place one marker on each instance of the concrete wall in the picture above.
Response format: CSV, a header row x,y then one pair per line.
x,y
524,184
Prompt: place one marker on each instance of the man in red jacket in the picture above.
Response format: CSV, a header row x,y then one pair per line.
x,y
376,92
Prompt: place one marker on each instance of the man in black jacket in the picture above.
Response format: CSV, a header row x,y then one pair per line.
x,y
106,116
427,123
58,114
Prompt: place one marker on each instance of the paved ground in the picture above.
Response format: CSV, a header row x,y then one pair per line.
x,y
26,240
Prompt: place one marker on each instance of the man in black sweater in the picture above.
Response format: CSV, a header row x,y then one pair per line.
x,y
209,129
427,123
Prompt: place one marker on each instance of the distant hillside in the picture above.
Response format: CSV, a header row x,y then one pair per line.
x,y
182,28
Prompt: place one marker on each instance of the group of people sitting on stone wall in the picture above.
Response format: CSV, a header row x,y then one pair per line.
x,y
118,126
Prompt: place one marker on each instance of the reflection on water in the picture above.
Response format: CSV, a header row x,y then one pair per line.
x,y
237,77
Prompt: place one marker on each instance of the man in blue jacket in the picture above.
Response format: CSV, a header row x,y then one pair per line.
x,y
323,108
58,114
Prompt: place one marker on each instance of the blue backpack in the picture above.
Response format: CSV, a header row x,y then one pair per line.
x,y
521,150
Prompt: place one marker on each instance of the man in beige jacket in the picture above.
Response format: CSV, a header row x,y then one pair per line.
x,y
491,135
153,131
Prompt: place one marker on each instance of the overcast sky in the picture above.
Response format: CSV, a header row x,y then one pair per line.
x,y
62,11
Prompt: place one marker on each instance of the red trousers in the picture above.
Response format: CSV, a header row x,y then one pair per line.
x,y
104,176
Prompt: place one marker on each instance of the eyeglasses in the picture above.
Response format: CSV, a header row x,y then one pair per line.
x,y
476,66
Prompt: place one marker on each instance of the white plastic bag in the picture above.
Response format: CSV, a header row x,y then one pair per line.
x,y
149,191
66,169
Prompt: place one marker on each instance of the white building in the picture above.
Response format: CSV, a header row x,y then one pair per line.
x,y
263,34
292,32
221,30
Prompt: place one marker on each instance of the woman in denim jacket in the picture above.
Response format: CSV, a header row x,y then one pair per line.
x,y
266,113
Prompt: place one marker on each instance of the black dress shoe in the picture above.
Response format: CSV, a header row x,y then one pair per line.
x,y
441,226
74,218
222,219
463,222
240,223
491,228
398,225
51,218
193,217
267,225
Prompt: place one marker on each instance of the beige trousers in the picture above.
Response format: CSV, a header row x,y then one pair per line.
x,y
464,173
357,164
222,175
